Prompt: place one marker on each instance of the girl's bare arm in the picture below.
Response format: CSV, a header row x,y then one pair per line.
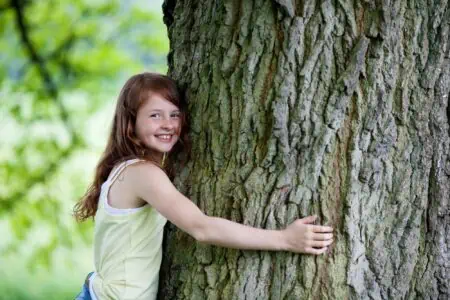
x,y
153,185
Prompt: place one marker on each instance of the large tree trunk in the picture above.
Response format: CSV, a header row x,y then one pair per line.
x,y
335,108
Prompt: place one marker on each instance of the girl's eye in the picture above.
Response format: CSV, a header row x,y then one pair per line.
x,y
155,116
175,116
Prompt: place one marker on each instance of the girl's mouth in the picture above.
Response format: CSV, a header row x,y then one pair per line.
x,y
164,137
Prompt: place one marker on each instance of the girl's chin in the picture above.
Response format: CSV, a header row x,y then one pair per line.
x,y
160,149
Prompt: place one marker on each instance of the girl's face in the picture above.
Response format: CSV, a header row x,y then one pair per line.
x,y
158,124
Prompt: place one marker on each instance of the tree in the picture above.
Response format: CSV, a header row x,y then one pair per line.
x,y
334,108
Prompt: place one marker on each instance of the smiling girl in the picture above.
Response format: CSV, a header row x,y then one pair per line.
x,y
132,197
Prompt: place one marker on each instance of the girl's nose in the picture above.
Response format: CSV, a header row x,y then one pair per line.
x,y
168,124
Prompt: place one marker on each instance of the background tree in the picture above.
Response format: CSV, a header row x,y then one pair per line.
x,y
62,64
334,108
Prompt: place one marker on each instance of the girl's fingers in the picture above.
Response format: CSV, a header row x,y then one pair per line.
x,y
321,229
308,220
320,244
322,236
316,251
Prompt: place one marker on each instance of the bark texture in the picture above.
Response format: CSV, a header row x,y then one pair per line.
x,y
335,108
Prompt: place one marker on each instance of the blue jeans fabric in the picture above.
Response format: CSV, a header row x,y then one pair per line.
x,y
84,294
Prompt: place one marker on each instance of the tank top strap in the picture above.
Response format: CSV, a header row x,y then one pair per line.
x,y
115,173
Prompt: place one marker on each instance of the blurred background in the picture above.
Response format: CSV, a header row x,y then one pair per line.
x,y
62,64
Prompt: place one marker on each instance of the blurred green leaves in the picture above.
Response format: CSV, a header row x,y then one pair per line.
x,y
62,64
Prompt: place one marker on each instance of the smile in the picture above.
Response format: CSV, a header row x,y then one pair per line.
x,y
164,137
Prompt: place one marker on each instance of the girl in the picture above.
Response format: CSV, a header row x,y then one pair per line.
x,y
132,197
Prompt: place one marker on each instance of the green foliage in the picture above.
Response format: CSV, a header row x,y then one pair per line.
x,y
61,65
17,292
37,285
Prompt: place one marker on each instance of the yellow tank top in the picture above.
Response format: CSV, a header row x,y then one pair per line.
x,y
127,248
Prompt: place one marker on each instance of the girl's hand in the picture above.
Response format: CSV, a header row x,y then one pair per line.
x,y
304,237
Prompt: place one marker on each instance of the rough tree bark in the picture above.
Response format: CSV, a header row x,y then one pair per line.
x,y
335,108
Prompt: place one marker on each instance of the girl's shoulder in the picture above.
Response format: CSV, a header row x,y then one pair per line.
x,y
147,178
138,178
145,168
135,169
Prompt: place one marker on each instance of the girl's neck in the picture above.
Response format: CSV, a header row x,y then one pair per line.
x,y
158,157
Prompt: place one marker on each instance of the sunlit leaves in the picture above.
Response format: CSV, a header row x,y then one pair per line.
x,y
84,41
53,92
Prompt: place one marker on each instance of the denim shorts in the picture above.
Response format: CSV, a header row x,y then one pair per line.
x,y
84,294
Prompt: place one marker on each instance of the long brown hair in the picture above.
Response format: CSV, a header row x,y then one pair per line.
x,y
123,143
